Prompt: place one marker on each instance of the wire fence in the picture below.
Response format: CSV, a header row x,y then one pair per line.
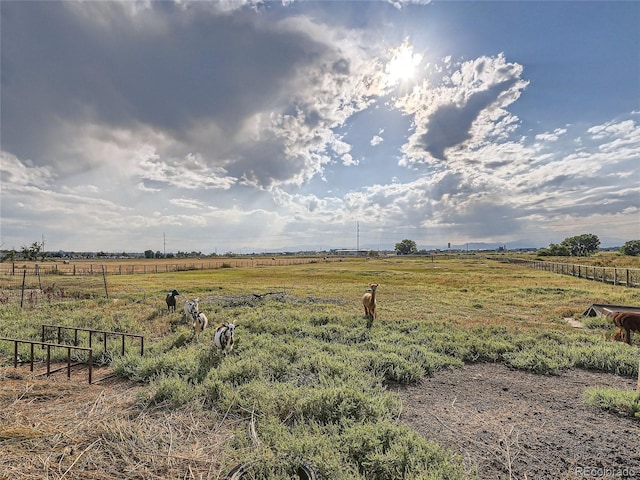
x,y
30,285
125,268
628,277
31,288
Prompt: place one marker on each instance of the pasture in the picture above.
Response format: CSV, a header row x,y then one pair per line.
x,y
308,381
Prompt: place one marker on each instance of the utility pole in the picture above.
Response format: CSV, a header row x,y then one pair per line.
x,y
164,242
357,238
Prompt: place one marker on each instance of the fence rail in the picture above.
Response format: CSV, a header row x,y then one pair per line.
x,y
105,334
48,346
628,277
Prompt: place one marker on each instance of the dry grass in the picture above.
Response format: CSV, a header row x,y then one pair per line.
x,y
60,429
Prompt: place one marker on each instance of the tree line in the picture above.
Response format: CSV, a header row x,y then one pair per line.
x,y
578,246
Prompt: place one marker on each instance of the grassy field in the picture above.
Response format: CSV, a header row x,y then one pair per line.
x,y
308,378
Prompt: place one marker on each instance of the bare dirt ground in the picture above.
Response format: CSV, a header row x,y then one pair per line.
x,y
509,424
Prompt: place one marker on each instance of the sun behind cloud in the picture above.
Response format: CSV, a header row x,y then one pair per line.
x,y
403,64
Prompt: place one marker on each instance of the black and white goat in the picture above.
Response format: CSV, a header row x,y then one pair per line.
x,y
224,337
171,300
200,322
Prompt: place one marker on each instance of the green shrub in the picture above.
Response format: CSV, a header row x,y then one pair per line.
x,y
623,402
392,367
539,358
345,404
610,357
593,323
174,391
385,451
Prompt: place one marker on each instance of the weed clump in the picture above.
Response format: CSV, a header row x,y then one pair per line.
x,y
622,402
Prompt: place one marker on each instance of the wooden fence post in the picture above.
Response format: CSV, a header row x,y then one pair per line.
x,y
24,277
104,276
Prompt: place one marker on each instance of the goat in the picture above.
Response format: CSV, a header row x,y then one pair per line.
x,y
224,337
191,308
369,302
627,322
200,322
171,300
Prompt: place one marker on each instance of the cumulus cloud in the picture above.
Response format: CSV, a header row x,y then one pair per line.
x,y
251,124
463,110
551,136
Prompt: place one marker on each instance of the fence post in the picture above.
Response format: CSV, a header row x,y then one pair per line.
x,y
104,276
90,365
69,362
24,278
38,274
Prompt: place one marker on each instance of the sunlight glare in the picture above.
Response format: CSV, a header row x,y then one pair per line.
x,y
403,63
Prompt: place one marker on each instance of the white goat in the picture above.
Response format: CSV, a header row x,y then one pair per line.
x,y
369,302
192,308
224,338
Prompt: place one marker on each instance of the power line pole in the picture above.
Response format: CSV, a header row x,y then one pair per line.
x,y
357,237
164,242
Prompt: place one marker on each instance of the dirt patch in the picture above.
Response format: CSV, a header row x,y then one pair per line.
x,y
572,322
518,425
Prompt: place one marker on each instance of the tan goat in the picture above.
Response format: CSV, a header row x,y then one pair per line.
x,y
369,302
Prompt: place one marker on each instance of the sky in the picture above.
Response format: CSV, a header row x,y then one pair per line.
x,y
249,127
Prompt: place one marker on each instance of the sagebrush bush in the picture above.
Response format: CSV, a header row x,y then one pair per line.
x,y
174,390
624,402
385,451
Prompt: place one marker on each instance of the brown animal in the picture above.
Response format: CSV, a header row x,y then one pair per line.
x,y
627,322
369,302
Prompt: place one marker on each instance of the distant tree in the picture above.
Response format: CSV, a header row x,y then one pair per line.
x,y
406,247
10,255
148,254
170,255
554,250
582,245
32,252
632,248
159,254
